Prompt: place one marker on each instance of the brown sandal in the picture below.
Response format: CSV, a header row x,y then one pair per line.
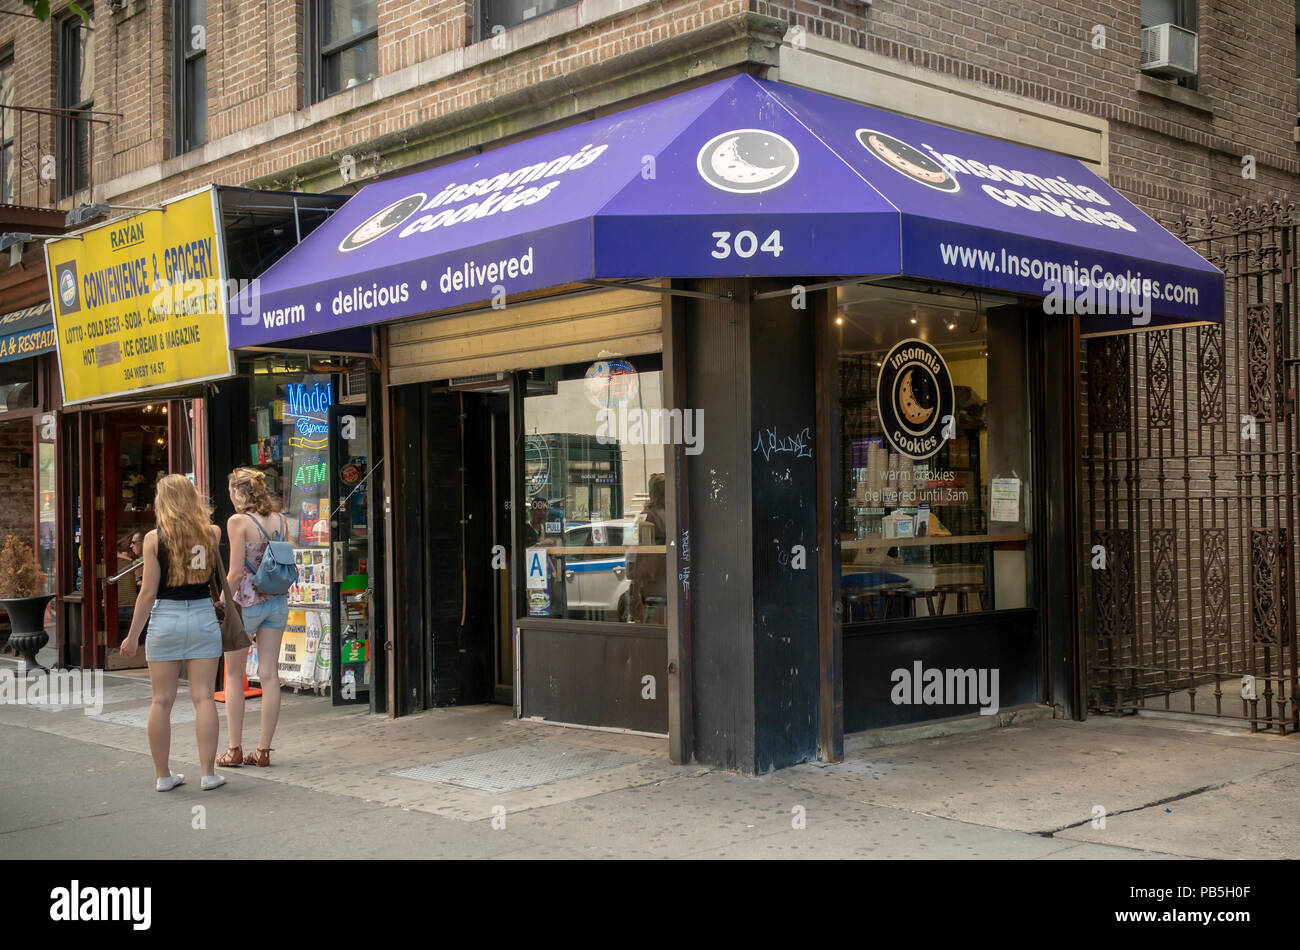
x,y
232,758
262,757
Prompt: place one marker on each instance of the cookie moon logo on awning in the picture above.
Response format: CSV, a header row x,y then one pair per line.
x,y
914,398
382,221
907,160
747,161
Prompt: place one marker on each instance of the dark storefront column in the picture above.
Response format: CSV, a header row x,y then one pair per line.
x,y
1059,349
751,539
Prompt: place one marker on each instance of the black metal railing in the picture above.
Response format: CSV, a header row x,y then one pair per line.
x,y
47,154
1190,474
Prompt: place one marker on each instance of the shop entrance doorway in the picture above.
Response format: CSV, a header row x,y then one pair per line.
x,y
106,494
453,527
134,457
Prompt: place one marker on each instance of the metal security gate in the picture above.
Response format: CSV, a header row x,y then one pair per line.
x,y
1190,475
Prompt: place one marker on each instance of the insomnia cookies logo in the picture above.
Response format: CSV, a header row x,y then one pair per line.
x,y
908,161
747,161
381,222
915,398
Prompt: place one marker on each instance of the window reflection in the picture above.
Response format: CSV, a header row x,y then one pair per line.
x,y
594,525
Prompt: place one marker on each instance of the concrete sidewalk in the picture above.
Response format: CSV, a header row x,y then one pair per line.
x,y
473,782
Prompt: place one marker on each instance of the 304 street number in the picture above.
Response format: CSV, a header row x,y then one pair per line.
x,y
745,244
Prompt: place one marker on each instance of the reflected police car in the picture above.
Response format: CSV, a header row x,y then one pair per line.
x,y
598,583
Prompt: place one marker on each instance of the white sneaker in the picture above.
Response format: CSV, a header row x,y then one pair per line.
x,y
170,782
209,782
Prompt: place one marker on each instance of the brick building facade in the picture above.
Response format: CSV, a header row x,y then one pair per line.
x,y
439,92
447,82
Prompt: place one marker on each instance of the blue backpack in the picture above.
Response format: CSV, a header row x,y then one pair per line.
x,y
277,572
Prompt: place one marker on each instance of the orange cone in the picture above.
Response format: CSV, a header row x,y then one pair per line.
x,y
249,692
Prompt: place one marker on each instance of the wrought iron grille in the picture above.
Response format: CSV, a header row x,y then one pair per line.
x,y
1190,478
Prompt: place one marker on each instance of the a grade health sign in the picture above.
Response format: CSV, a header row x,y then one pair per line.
x,y
140,302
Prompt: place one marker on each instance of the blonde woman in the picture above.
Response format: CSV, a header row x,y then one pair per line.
x,y
256,521
175,598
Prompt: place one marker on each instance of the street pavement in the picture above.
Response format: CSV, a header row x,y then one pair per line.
x,y
77,786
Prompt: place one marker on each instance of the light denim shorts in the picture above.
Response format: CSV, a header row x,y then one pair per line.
x,y
272,614
182,630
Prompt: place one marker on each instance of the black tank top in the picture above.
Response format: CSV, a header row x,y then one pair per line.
x,y
199,591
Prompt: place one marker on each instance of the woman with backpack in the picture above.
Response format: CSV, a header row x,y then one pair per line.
x,y
258,531
175,599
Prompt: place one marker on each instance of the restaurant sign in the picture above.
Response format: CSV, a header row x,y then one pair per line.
x,y
26,332
140,302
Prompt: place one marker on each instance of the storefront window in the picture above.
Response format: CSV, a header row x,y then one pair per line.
x,y
594,528
934,457
17,385
47,487
312,450
290,444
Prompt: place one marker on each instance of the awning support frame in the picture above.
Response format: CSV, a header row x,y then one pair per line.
x,y
670,291
825,285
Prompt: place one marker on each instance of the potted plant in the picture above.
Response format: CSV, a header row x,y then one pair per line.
x,y
22,599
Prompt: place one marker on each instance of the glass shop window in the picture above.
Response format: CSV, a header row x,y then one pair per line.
x,y
289,442
48,487
17,385
935,457
594,525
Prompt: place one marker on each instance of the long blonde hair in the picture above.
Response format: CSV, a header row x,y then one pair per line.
x,y
183,522
248,492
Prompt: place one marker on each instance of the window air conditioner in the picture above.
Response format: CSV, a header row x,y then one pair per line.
x,y
354,387
1169,51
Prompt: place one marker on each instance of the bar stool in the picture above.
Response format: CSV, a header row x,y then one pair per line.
x,y
962,593
853,596
908,596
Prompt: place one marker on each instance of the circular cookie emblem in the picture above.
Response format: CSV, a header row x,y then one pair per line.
x,y
747,161
537,465
908,161
381,222
914,397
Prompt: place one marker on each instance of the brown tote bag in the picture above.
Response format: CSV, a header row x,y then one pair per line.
x,y
233,634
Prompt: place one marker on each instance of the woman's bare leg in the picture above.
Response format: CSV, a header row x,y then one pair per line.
x,y
268,673
236,663
163,678
203,674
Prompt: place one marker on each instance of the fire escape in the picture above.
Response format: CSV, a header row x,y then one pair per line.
x,y
46,160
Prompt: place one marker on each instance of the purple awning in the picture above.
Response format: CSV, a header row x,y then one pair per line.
x,y
740,177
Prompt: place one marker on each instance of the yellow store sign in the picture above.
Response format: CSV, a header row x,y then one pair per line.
x,y
140,302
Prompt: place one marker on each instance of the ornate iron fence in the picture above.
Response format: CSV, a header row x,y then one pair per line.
x,y
1190,478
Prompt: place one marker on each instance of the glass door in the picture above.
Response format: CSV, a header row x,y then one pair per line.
x,y
134,458
351,601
